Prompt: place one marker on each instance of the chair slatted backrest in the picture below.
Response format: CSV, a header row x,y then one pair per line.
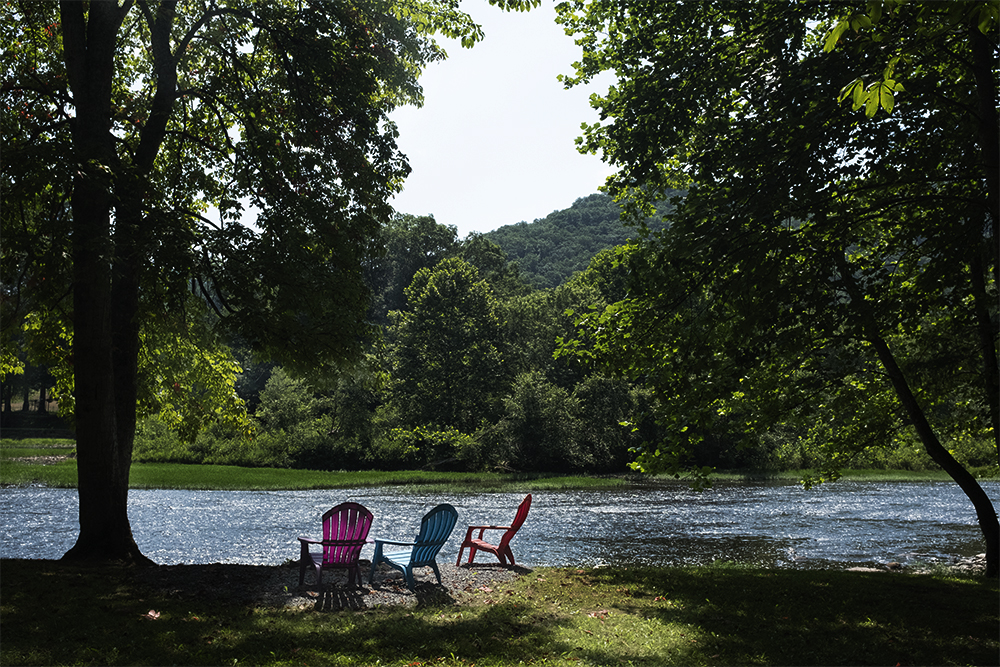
x,y
435,528
347,524
522,514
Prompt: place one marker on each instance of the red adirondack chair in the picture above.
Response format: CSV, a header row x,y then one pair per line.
x,y
502,550
345,531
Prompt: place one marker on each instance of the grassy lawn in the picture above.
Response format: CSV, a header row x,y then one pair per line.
x,y
58,614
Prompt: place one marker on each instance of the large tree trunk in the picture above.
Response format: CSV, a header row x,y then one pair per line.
x,y
986,514
105,533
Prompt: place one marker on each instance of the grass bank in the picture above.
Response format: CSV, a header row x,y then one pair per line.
x,y
23,463
49,462
59,614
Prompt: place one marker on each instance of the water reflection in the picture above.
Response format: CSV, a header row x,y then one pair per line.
x,y
772,525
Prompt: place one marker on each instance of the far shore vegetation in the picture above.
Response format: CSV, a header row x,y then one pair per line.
x,y
50,462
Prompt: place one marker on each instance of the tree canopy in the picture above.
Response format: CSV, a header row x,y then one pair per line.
x,y
235,152
815,243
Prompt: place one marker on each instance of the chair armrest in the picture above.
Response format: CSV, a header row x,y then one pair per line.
x,y
311,540
482,529
400,544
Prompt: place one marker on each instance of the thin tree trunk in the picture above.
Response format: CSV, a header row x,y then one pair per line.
x,y
987,334
986,514
984,66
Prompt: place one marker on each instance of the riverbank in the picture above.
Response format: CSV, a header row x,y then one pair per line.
x,y
52,463
58,613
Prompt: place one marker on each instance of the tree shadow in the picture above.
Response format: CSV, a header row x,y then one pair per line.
x,y
749,614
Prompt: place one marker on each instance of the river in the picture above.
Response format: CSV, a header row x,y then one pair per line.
x,y
836,525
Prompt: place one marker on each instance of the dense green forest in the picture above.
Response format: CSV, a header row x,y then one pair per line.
x,y
461,373
551,249
464,373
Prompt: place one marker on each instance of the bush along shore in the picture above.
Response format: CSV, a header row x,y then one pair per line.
x,y
54,613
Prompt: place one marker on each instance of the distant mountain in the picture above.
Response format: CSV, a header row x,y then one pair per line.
x,y
551,249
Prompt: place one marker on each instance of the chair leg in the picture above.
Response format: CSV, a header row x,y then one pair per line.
x,y
436,572
460,552
303,557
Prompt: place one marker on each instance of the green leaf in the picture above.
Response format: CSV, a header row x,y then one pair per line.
x,y
875,10
851,90
834,36
859,21
890,68
989,16
872,103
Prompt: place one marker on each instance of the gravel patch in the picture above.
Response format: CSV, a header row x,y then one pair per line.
x,y
277,586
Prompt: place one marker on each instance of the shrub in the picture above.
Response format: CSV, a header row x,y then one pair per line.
x,y
540,429
605,403
285,403
156,443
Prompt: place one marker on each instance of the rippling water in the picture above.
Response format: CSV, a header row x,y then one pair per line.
x,y
773,525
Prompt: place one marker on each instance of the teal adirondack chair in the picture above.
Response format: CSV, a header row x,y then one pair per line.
x,y
435,528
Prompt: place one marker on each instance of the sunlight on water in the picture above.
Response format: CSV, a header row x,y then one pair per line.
x,y
772,525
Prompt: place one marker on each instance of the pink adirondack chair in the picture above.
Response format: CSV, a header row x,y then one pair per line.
x,y
345,531
501,550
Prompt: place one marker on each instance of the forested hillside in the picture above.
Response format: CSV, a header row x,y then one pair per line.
x,y
551,249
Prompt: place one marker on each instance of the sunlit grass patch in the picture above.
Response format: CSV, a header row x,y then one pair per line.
x,y
16,448
193,476
61,474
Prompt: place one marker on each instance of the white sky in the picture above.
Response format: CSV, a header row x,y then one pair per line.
x,y
494,142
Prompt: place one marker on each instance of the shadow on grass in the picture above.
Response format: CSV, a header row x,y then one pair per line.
x,y
746,616
55,613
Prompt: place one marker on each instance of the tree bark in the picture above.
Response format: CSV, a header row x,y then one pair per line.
x,y
89,41
986,514
984,66
987,333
